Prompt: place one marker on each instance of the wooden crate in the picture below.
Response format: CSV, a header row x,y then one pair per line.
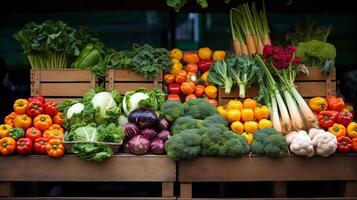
x,y
62,84
339,167
70,168
310,86
125,80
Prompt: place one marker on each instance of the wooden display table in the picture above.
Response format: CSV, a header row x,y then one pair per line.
x,y
120,168
258,168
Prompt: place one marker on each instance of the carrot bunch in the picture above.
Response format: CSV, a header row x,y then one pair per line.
x,y
250,30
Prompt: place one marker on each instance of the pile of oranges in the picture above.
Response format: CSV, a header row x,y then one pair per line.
x,y
247,117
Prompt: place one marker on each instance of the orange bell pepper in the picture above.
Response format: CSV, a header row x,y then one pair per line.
x,y
42,122
9,119
211,91
338,130
352,130
55,148
261,112
7,146
354,144
56,127
58,119
22,121
5,130
54,134
20,106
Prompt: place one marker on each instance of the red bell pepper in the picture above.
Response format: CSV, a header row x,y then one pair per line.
x,y
354,144
33,133
34,108
51,108
205,65
344,144
174,88
173,97
24,146
39,146
327,118
344,117
335,103
38,98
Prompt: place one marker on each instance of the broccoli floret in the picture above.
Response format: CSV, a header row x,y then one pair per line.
x,y
218,119
183,123
186,145
269,142
172,110
198,108
276,145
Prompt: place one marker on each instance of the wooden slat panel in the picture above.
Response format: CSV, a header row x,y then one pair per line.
x,y
124,87
90,198
6,189
307,198
311,89
129,75
306,89
314,75
60,100
124,167
259,168
64,89
67,75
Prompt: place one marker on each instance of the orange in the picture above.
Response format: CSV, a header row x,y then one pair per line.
x,y
237,127
261,112
247,114
222,111
234,104
205,53
250,103
219,55
250,126
265,123
233,115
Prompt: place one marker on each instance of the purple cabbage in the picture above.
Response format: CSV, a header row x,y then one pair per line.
x,y
163,135
126,147
131,130
157,146
148,133
139,145
143,118
163,123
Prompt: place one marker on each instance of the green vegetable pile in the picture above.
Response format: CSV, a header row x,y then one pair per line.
x,y
53,44
93,137
178,4
269,142
198,130
312,46
145,60
315,53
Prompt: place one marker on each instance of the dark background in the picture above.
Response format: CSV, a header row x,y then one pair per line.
x,y
120,23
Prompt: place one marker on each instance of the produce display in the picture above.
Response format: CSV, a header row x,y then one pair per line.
x,y
189,74
184,119
34,127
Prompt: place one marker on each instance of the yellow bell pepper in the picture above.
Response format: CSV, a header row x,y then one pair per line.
x,y
318,104
352,130
175,67
4,130
176,54
249,137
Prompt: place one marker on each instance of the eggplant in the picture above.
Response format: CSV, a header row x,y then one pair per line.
x,y
143,118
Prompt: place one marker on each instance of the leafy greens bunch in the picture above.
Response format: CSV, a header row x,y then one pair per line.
x,y
53,44
145,60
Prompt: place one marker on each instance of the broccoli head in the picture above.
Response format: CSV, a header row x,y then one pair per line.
x,y
186,145
172,110
183,123
275,145
198,108
269,142
218,119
